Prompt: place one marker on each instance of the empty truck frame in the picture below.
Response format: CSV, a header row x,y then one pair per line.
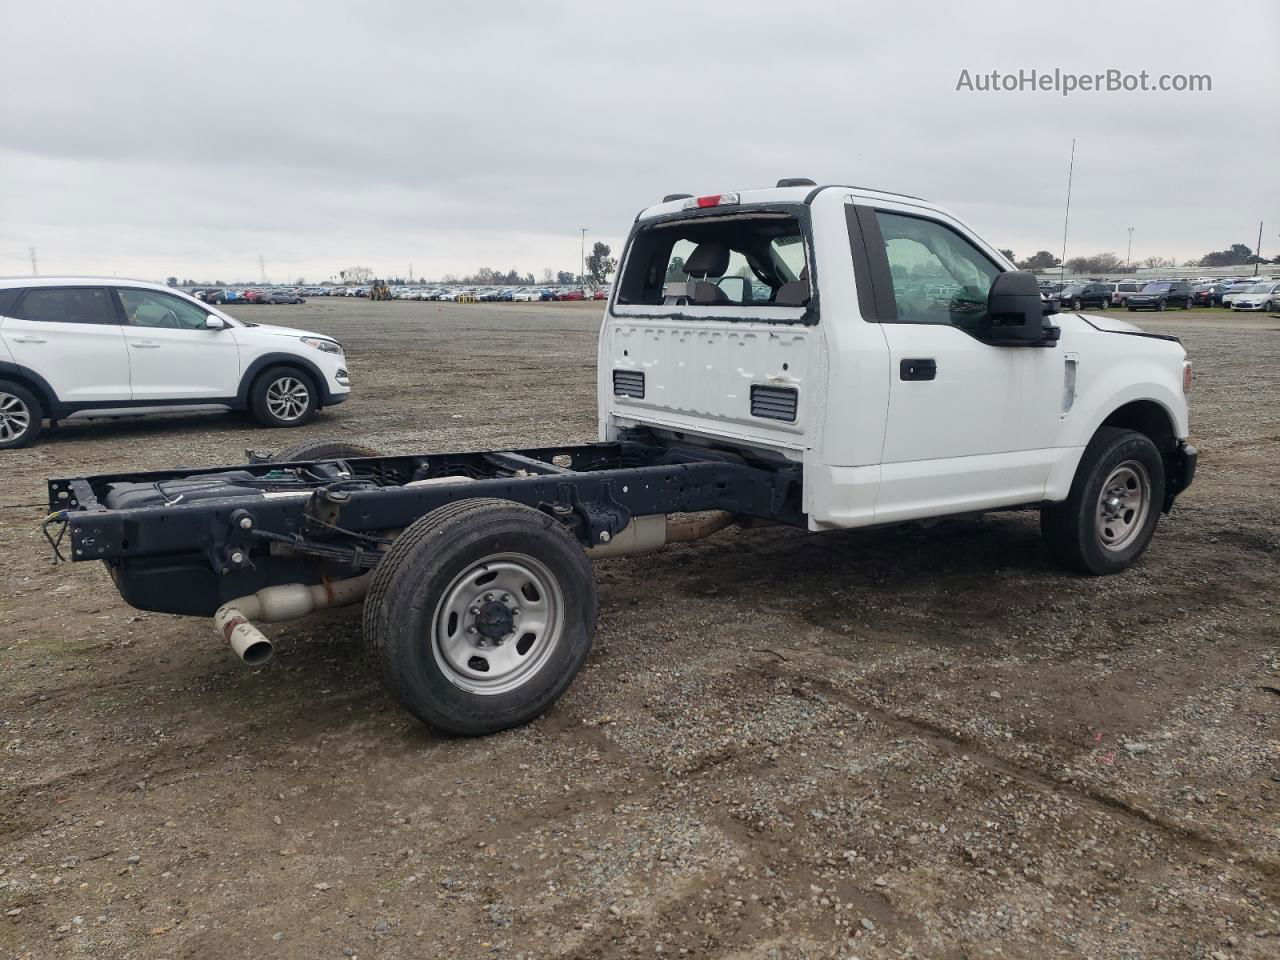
x,y
825,357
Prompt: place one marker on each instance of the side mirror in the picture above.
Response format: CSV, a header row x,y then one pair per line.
x,y
1015,311
214,323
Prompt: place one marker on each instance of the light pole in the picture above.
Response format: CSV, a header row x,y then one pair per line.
x,y
582,256
1129,254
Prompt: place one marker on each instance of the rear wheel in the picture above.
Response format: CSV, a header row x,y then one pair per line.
x,y
21,416
1077,303
283,397
480,615
1111,512
323,450
1102,304
1160,304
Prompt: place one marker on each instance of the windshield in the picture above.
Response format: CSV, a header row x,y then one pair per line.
x,y
1259,288
1157,287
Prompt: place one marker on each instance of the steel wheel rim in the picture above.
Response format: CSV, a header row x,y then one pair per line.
x,y
287,398
15,417
1123,505
497,624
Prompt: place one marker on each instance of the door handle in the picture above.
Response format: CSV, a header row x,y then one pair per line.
x,y
145,344
28,338
921,369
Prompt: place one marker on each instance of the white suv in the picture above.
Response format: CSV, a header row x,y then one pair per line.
x,y
89,347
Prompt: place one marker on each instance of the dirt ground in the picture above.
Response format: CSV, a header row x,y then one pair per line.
x,y
930,744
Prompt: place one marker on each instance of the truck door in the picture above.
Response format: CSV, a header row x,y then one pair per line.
x,y
966,428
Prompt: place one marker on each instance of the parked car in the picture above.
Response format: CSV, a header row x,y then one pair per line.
x,y
1124,289
1160,295
574,294
78,348
280,296
1239,289
1258,296
1076,296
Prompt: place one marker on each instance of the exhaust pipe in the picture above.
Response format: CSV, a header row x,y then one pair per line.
x,y
273,604
650,534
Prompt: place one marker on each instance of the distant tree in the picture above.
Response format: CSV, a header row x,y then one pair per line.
x,y
600,264
218,283
548,276
448,278
171,281
675,271
563,277
356,275
1040,260
1096,263
301,281
1233,256
1155,263
1008,255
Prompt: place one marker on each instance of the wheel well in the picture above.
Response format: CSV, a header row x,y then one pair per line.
x,y
1148,418
47,402
283,365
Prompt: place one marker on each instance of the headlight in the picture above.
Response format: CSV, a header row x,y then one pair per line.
x,y
326,346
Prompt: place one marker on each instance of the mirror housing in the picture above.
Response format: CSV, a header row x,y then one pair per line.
x,y
1016,310
214,323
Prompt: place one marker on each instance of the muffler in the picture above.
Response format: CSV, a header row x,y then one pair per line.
x,y
288,601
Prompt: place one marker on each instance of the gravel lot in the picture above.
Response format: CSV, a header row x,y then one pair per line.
x,y
926,744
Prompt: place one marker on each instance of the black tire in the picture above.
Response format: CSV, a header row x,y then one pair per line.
x,y
21,416
264,390
1133,309
1077,303
1102,304
1160,305
324,449
429,565
1074,529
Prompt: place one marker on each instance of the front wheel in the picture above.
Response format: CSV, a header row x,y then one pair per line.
x,y
1160,304
284,397
1077,303
1109,516
480,615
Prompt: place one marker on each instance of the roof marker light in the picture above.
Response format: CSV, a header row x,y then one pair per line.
x,y
711,200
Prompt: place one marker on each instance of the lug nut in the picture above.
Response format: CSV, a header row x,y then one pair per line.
x,y
237,557
506,598
515,611
488,597
246,523
471,629
474,611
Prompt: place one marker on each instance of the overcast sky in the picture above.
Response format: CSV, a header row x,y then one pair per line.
x,y
150,139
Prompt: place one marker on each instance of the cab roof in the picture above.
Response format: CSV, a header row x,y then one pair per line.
x,y
42,281
769,195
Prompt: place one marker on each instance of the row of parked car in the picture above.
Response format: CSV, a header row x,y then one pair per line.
x,y
498,294
1236,293
527,294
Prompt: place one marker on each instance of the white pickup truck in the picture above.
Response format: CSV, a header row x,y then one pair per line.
x,y
827,357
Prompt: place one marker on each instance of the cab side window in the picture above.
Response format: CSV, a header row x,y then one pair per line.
x,y
938,276
66,305
150,308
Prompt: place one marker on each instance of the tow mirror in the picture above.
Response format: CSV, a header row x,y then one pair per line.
x,y
214,323
1016,310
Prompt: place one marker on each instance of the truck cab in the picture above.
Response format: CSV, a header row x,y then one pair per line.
x,y
876,341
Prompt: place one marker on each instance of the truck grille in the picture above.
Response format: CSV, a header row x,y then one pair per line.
x,y
628,383
774,403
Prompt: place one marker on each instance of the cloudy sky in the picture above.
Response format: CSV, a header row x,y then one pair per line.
x,y
148,139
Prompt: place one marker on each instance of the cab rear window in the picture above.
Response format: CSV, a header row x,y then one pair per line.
x,y
740,262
